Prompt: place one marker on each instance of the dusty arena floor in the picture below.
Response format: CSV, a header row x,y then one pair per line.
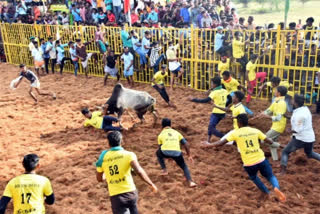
x,y
53,129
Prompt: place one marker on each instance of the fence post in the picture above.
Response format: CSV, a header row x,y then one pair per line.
x,y
275,73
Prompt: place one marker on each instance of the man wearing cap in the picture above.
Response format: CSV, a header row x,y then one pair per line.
x,y
218,42
158,84
31,45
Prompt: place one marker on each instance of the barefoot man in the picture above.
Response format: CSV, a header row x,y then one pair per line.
x,y
252,156
35,83
169,141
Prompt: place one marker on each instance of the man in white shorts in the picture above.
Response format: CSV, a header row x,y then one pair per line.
x,y
110,61
81,51
35,83
175,66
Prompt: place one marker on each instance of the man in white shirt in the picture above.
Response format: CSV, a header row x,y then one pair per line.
x,y
38,59
302,133
51,48
31,45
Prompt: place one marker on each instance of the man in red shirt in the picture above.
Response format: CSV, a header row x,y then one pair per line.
x,y
111,19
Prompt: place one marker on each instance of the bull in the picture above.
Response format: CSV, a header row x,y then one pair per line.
x,y
128,99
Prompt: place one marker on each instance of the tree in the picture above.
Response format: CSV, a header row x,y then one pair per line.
x,y
304,1
245,3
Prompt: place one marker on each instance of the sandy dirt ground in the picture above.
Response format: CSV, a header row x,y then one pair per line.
x,y
53,129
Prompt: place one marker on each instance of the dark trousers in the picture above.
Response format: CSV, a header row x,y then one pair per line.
x,y
124,202
214,121
156,65
46,64
266,171
243,63
107,124
62,63
293,146
229,100
53,64
178,159
318,106
163,93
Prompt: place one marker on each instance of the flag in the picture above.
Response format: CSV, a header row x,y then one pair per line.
x,y
286,10
126,6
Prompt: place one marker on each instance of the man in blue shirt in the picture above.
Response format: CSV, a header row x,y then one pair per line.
x,y
76,14
46,55
218,42
184,13
153,17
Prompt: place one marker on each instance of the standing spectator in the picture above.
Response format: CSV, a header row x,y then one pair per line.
x,y
250,25
83,13
146,43
218,42
194,12
61,56
127,59
116,9
174,61
310,31
200,16
74,57
37,55
31,44
184,13
46,55
134,18
65,18
22,11
206,21
144,16
126,39
10,13
75,11
51,48
110,61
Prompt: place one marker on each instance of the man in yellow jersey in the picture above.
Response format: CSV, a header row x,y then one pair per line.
x,y
98,121
169,141
223,65
252,156
276,112
232,85
252,76
238,48
274,83
29,191
219,97
158,84
116,164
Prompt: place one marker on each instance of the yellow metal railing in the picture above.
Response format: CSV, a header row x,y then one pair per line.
x,y
291,55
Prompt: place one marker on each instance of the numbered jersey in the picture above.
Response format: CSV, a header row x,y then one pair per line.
x,y
116,166
248,142
28,192
219,97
